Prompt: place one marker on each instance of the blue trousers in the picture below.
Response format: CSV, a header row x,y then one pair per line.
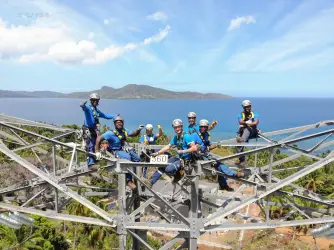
x,y
226,170
174,165
131,156
91,159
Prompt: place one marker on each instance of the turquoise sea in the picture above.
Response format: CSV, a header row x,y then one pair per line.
x,y
275,113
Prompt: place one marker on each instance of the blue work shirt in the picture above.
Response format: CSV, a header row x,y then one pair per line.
x,y
113,140
203,140
89,116
253,116
183,143
148,139
192,129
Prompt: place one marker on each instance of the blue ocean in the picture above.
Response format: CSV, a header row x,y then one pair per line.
x,y
275,113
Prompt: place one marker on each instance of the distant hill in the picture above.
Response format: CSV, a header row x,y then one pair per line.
x,y
131,91
45,94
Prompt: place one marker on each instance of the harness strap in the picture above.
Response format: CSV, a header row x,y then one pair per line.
x,y
120,136
251,116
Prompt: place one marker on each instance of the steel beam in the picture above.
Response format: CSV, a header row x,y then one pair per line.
x,y
33,197
42,142
140,240
272,146
272,224
161,198
54,182
53,215
273,188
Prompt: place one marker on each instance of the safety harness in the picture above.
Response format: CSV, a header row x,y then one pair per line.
x,y
120,136
179,141
249,117
245,118
150,140
96,114
206,142
192,129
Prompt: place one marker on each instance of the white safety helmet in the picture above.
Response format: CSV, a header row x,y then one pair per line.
x,y
246,103
191,114
177,122
94,96
204,123
149,127
118,118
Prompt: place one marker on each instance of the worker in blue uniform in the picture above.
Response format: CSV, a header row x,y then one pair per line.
x,y
202,139
248,121
185,146
149,138
91,125
193,126
118,145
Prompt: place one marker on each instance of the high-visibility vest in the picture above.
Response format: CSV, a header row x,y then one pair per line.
x,y
206,142
122,136
146,141
249,117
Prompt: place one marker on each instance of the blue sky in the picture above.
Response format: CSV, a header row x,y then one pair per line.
x,y
278,48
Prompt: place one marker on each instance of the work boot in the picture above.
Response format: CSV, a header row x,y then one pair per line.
x,y
239,139
177,177
242,164
147,182
94,167
132,186
240,174
227,188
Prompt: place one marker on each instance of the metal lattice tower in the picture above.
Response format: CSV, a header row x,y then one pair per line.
x,y
181,210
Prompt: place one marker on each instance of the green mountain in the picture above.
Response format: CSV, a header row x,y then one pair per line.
x,y
131,91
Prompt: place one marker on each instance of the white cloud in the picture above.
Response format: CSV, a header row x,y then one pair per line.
x,y
292,50
236,22
158,16
42,43
106,21
158,37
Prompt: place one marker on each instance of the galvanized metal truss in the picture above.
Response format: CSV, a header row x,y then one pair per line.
x,y
189,208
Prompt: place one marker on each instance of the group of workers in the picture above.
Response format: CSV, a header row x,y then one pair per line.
x,y
192,143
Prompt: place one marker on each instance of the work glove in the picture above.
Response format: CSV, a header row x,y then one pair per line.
x,y
83,104
180,152
154,154
249,122
214,123
98,156
141,127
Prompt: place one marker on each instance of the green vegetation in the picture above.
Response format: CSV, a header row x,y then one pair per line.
x,y
268,239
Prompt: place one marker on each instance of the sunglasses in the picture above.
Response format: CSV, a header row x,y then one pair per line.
x,y
191,118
